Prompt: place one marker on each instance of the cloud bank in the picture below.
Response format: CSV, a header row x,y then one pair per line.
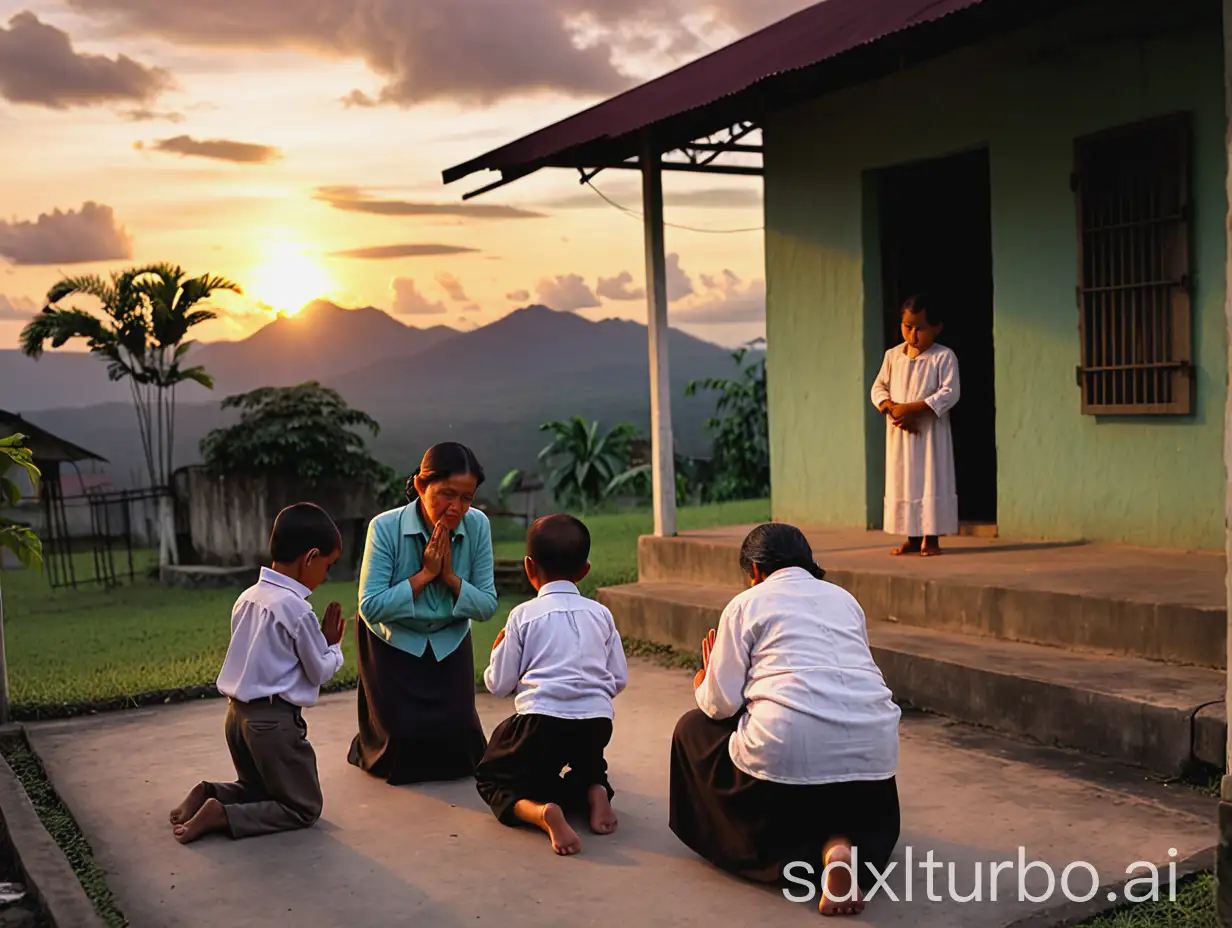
x,y
40,67
66,237
215,149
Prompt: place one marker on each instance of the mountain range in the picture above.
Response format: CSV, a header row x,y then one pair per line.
x,y
491,387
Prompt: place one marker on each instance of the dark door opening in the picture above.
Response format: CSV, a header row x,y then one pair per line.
x,y
936,238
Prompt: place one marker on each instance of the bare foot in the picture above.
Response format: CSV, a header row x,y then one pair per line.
x,y
564,839
602,815
930,551
210,817
838,897
905,549
190,806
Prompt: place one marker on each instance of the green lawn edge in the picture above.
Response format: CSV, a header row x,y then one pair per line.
x,y
62,827
1194,908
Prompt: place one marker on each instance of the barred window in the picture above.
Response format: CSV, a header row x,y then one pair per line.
x,y
1132,187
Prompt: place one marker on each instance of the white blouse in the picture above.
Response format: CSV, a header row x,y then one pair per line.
x,y
793,651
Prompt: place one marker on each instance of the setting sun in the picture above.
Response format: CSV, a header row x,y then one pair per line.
x,y
289,278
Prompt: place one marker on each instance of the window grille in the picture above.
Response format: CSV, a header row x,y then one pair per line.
x,y
1132,186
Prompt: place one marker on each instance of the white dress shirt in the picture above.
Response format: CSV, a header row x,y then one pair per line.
x,y
277,647
794,652
561,656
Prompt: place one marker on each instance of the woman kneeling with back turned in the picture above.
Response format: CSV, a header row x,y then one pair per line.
x,y
792,753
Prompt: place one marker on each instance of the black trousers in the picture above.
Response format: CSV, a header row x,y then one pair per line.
x,y
526,754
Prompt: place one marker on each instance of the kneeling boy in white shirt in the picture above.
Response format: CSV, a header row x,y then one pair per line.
x,y
275,665
562,659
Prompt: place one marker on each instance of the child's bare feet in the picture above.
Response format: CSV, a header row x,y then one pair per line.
x,y
904,549
838,898
210,817
602,815
564,839
190,806
933,550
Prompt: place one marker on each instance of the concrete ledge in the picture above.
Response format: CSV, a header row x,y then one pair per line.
x,y
1153,631
510,577
208,577
1210,734
47,870
1060,597
1135,711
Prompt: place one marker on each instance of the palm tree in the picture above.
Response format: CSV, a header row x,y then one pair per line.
x,y
584,463
146,314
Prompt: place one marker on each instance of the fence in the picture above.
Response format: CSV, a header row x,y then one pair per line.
x,y
109,526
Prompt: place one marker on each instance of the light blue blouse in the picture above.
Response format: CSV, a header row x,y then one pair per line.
x,y
394,553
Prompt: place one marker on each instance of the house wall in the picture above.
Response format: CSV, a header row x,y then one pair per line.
x,y
1061,475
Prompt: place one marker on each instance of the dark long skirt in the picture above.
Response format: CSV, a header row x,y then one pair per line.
x,y
417,718
754,828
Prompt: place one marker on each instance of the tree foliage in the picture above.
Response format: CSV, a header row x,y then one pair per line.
x,y
19,539
306,431
740,457
584,464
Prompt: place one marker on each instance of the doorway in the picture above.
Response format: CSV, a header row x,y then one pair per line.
x,y
936,238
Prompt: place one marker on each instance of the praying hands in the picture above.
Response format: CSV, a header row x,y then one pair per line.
x,y
707,647
438,563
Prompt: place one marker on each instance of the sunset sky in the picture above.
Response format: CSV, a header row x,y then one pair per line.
x,y
296,146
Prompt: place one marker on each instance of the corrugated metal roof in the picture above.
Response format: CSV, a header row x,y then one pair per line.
x,y
807,38
42,444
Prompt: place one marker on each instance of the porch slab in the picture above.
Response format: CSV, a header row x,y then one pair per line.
x,y
1160,605
433,854
207,576
1158,716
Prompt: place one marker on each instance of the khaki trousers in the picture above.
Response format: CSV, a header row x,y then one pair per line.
x,y
277,788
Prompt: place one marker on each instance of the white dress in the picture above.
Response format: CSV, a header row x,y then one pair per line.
x,y
921,497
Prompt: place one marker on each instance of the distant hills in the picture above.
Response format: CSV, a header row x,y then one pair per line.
x,y
320,342
490,388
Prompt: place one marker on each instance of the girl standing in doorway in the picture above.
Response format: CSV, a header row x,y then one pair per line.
x,y
915,390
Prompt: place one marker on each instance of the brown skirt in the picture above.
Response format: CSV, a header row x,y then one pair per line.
x,y
754,828
417,717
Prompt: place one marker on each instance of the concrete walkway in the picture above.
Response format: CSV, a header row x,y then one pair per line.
x,y
434,856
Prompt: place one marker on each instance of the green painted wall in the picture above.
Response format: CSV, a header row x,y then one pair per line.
x,y
1061,475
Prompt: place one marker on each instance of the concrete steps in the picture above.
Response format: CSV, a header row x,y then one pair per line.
x,y
1159,716
1161,606
510,576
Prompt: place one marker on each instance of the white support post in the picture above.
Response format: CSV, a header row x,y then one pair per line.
x,y
662,446
1223,858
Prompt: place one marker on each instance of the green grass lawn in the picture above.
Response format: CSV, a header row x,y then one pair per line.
x,y
1194,908
613,537
68,650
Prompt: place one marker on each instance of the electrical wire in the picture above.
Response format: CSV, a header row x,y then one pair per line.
x,y
671,225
